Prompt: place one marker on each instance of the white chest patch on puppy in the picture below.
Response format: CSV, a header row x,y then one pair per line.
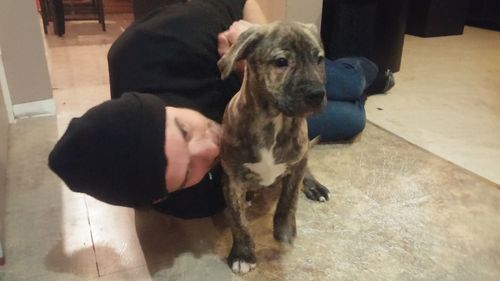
x,y
267,169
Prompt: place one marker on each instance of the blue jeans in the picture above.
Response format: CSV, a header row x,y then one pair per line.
x,y
344,115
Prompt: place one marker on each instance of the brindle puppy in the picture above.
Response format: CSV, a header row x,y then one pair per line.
x,y
265,139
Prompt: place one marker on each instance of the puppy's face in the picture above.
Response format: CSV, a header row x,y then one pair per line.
x,y
285,63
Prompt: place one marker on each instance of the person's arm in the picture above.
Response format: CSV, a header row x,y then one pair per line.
x,y
252,12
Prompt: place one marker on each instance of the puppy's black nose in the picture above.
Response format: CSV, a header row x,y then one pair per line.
x,y
315,95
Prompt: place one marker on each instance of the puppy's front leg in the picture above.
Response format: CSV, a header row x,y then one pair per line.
x,y
242,256
313,189
284,218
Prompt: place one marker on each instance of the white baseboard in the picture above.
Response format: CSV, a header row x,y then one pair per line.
x,y
34,109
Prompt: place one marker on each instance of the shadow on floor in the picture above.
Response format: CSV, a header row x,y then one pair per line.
x,y
163,238
78,262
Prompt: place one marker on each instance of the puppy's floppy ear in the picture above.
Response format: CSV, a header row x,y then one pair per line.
x,y
243,46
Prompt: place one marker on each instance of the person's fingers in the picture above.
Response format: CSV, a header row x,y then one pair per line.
x,y
222,43
246,24
229,37
236,29
232,34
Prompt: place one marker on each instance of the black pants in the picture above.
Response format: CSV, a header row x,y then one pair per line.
x,y
370,28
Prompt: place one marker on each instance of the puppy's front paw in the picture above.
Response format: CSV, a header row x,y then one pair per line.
x,y
314,190
242,267
241,262
285,233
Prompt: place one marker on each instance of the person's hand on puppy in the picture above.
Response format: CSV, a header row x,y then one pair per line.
x,y
227,38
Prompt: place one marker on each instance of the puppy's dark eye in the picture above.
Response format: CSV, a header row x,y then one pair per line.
x,y
281,62
320,59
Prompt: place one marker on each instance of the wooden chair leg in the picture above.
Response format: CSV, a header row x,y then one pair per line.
x,y
101,14
44,14
58,18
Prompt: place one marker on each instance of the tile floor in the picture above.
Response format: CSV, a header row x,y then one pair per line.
x,y
447,99
408,201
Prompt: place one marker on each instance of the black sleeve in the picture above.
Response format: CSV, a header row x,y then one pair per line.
x,y
172,53
201,200
174,50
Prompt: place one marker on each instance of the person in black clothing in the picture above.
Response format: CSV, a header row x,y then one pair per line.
x,y
160,132
172,52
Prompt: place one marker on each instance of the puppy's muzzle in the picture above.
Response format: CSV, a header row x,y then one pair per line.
x,y
315,96
303,99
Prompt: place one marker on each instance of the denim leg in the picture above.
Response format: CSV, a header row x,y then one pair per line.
x,y
347,78
344,115
340,120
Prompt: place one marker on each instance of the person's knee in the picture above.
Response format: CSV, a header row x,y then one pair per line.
x,y
352,125
118,70
114,52
339,121
347,78
357,125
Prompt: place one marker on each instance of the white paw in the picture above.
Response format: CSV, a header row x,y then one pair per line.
x,y
322,199
242,267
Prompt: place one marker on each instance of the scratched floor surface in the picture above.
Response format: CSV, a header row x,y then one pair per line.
x,y
397,213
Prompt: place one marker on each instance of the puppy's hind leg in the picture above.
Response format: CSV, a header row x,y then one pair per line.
x,y
241,259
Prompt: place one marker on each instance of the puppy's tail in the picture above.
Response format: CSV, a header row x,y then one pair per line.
x,y
314,142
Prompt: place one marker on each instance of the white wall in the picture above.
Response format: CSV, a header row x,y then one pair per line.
x,y
308,11
273,9
23,52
